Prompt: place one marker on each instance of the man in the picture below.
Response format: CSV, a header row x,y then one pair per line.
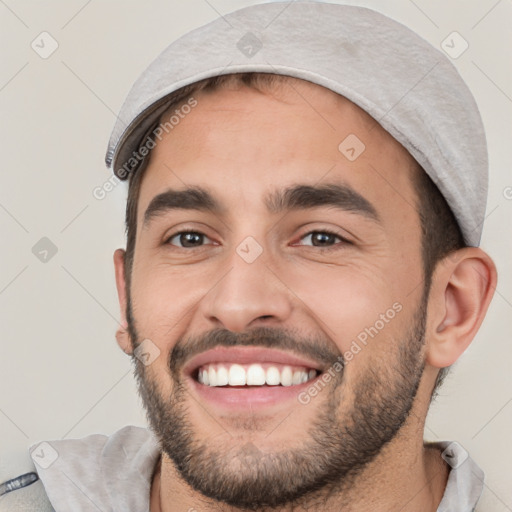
x,y
307,187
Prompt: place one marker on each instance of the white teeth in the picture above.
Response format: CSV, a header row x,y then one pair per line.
x,y
253,375
286,376
297,377
222,376
237,376
212,376
273,377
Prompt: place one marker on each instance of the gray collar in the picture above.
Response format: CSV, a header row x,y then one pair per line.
x,y
465,481
98,472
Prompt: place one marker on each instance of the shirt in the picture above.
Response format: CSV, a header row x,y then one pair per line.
x,y
114,473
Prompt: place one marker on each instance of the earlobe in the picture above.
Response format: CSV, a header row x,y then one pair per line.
x,y
124,341
122,335
462,288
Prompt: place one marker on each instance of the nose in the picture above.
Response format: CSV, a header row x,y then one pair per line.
x,y
247,293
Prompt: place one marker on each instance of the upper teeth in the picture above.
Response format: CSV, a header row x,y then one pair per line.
x,y
253,375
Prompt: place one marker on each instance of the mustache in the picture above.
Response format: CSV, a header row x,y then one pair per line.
x,y
315,347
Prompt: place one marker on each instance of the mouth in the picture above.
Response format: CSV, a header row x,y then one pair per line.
x,y
248,377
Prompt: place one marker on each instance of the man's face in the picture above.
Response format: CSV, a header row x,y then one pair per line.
x,y
292,289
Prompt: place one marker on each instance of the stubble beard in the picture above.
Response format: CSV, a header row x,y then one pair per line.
x,y
340,442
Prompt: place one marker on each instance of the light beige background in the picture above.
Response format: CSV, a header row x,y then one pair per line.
x,y
62,374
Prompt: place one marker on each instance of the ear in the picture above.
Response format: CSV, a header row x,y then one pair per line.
x,y
122,335
463,285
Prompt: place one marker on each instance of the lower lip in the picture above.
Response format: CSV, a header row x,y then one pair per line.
x,y
237,398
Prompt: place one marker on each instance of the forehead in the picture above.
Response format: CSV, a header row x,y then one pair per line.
x,y
240,138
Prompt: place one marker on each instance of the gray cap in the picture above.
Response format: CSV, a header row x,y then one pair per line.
x,y
411,88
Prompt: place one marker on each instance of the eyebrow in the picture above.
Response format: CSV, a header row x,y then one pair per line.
x,y
297,197
341,197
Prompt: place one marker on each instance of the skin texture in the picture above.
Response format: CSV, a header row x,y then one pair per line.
x,y
240,145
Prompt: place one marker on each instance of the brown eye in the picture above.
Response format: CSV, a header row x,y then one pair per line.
x,y
187,239
322,239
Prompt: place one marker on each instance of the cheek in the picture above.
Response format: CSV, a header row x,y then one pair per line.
x,y
162,299
361,307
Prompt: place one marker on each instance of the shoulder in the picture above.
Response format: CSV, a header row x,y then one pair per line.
x,y
44,474
24,492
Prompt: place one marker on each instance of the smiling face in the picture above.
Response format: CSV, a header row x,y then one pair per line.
x,y
289,317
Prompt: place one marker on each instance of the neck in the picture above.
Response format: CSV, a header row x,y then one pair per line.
x,y
379,486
